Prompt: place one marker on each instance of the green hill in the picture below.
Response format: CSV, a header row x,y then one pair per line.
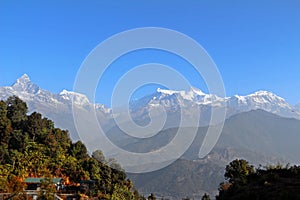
x,y
31,146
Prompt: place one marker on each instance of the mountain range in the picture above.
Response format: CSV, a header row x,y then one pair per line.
x,y
261,127
58,107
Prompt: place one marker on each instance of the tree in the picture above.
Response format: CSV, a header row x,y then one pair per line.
x,y
238,170
79,150
98,155
269,183
16,111
5,130
31,146
47,190
205,197
34,125
5,124
152,197
120,192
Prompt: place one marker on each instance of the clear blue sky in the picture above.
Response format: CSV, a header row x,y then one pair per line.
x,y
255,44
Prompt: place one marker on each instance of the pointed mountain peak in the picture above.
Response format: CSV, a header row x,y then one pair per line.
x,y
24,84
197,91
23,79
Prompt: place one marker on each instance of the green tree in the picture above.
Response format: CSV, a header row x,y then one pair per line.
x,y
5,130
120,192
205,197
5,171
98,155
151,197
17,140
47,190
5,125
79,150
34,125
16,111
32,146
272,183
238,170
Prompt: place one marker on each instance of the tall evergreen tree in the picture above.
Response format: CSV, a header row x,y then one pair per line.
x,y
16,111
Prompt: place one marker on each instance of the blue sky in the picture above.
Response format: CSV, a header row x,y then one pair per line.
x,y
255,44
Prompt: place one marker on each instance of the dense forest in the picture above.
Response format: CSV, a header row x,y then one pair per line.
x,y
31,146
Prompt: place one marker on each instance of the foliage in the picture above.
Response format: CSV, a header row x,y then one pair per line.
x,y
272,182
47,190
31,146
152,197
205,197
238,170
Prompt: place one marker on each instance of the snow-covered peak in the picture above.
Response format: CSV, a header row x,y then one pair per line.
x,y
197,91
265,97
263,100
77,98
24,78
103,108
167,92
192,90
179,98
264,93
24,84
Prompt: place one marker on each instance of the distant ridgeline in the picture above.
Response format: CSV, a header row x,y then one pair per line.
x,y
31,146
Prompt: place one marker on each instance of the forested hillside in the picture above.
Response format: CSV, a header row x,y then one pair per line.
x,y
31,146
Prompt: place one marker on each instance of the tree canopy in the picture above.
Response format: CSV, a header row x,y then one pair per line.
x,y
272,182
31,146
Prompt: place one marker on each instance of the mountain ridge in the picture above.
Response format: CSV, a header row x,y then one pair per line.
x,y
255,135
59,106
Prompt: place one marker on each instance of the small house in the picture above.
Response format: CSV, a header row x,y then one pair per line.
x,y
35,183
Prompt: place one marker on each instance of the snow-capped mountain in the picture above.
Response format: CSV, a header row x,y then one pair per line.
x,y
23,84
172,100
78,99
59,106
29,91
263,100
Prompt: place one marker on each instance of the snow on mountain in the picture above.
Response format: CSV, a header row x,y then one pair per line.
x,y
263,100
78,99
27,91
192,95
175,100
24,84
59,106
